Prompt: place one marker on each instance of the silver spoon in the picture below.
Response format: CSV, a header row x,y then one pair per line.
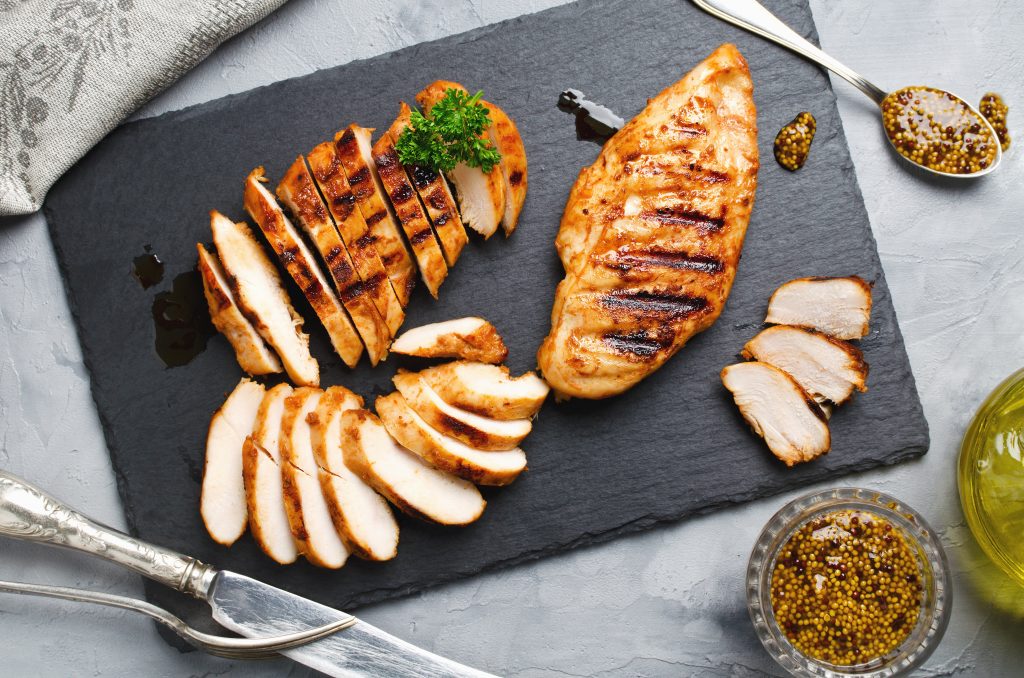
x,y
752,16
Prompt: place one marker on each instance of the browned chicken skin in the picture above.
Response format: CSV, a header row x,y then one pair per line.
x,y
652,232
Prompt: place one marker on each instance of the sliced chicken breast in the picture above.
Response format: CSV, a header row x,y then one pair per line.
x,y
408,482
356,155
445,453
222,501
264,492
828,369
779,411
466,338
505,136
437,198
840,307
261,297
251,352
362,517
482,433
481,196
301,264
325,166
487,390
409,212
298,192
307,508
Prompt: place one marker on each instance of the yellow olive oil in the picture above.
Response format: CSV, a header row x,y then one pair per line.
x,y
991,476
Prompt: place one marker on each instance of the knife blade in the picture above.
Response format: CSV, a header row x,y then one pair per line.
x,y
254,609
241,604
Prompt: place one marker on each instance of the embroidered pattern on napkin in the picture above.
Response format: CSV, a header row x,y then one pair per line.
x,y
71,70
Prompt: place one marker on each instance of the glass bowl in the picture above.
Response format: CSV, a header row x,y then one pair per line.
x,y
923,542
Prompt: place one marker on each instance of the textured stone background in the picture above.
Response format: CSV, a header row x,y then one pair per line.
x,y
667,602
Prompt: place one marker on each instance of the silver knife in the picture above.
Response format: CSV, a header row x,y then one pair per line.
x,y
241,604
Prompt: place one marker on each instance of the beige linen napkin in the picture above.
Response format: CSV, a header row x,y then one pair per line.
x,y
71,70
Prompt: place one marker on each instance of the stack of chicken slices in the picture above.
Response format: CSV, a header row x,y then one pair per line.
x,y
352,226
311,472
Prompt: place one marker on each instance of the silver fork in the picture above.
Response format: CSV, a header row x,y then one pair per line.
x,y
221,646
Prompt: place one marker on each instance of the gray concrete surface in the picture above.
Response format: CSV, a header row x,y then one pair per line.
x,y
668,602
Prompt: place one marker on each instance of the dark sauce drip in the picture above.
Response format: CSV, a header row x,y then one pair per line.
x,y
593,121
147,268
995,111
182,322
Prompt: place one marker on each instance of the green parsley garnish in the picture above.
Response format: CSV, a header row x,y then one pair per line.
x,y
453,132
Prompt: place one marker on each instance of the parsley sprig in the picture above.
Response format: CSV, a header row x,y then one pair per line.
x,y
453,132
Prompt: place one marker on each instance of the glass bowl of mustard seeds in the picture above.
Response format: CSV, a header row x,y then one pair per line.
x,y
848,582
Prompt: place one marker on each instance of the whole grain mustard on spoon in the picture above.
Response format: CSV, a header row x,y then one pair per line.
x,y
930,128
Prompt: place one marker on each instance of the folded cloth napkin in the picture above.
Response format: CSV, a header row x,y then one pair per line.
x,y
71,70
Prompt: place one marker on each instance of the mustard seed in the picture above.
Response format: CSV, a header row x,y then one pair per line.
x,y
937,130
856,602
793,142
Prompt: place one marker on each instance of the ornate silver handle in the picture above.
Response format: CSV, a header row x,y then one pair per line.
x,y
26,512
751,15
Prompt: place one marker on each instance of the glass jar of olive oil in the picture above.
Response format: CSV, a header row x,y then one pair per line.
x,y
991,476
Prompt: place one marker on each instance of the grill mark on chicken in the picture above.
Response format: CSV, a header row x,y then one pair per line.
x,y
359,178
442,219
375,281
343,205
402,194
678,215
654,258
634,343
437,199
690,129
421,235
450,424
375,218
663,303
421,176
515,178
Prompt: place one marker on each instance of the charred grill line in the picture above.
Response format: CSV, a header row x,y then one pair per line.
x,y
647,259
644,303
680,216
633,343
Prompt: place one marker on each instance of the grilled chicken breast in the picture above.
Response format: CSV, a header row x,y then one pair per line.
x,y
325,166
425,245
302,266
652,231
466,338
436,198
260,294
297,191
355,153
481,196
252,353
505,136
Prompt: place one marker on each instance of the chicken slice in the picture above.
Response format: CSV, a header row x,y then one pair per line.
x,y
436,198
467,338
304,499
300,263
356,155
487,390
251,352
264,492
779,411
481,196
445,453
840,307
407,481
261,297
409,211
325,166
297,191
222,501
482,433
505,136
828,369
363,518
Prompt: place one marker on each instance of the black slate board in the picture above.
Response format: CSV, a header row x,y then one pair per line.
x,y
671,447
